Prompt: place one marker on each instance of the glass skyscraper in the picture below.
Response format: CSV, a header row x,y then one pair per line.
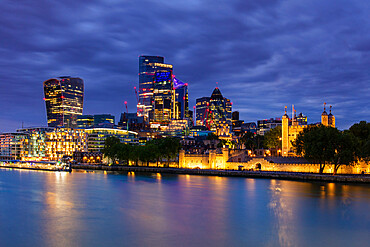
x,y
163,96
211,111
64,101
148,66
181,99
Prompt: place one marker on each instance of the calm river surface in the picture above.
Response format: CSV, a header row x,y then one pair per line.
x,y
100,209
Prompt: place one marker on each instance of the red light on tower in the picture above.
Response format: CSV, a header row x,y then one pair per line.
x,y
62,97
125,102
231,103
193,107
43,98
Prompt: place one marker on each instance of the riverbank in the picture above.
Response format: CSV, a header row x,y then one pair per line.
x,y
234,173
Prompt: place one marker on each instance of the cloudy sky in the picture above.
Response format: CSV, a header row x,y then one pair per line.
x,y
264,54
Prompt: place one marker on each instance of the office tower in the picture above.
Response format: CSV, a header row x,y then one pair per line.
x,y
202,105
162,96
181,100
64,101
88,121
148,66
266,125
211,111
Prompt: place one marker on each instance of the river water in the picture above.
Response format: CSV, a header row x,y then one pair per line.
x,y
112,209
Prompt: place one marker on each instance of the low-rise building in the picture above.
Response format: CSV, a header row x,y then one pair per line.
x,y
96,137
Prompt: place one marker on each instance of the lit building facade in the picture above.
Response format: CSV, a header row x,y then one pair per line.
x,y
292,127
96,137
64,101
148,66
211,111
202,105
89,121
181,99
13,146
64,142
266,125
43,143
163,96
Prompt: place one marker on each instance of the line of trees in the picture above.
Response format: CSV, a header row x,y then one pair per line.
x,y
271,140
156,150
326,145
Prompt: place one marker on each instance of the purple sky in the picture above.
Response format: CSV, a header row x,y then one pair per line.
x,y
265,54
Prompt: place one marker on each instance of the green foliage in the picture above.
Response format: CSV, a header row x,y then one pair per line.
x,y
362,132
323,145
252,141
154,150
272,139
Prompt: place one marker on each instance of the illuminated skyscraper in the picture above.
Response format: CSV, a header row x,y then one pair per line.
x,y
211,111
181,100
148,66
64,101
162,96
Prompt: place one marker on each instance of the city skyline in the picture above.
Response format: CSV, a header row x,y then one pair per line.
x,y
262,56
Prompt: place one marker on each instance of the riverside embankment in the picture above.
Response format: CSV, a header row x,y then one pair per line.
x,y
234,173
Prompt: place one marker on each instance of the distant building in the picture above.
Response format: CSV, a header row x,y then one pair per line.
x,y
327,120
249,127
88,121
64,101
148,66
181,100
13,146
96,137
266,125
163,96
291,127
202,105
213,110
46,143
133,122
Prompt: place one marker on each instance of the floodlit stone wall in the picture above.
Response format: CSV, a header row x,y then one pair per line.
x,y
212,160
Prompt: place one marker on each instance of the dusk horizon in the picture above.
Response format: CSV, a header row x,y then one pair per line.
x,y
264,55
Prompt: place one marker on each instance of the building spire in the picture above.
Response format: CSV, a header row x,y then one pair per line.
x,y
330,109
285,109
324,106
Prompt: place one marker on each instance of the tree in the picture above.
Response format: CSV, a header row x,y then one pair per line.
x,y
345,153
362,132
326,145
273,138
252,141
124,152
111,148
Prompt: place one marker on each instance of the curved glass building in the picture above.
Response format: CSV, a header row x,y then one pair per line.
x,y
64,101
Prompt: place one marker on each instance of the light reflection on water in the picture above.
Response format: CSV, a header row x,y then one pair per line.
x,y
133,209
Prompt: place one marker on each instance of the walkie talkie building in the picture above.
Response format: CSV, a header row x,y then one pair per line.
x,y
64,101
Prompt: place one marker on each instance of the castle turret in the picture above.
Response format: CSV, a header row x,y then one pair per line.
x,y
331,119
285,134
324,117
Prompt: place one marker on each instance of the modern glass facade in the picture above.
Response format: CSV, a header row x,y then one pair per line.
x,y
211,111
148,66
162,96
96,137
13,146
64,101
202,105
181,99
89,121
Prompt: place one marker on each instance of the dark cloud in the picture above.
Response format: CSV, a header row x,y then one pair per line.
x,y
265,54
